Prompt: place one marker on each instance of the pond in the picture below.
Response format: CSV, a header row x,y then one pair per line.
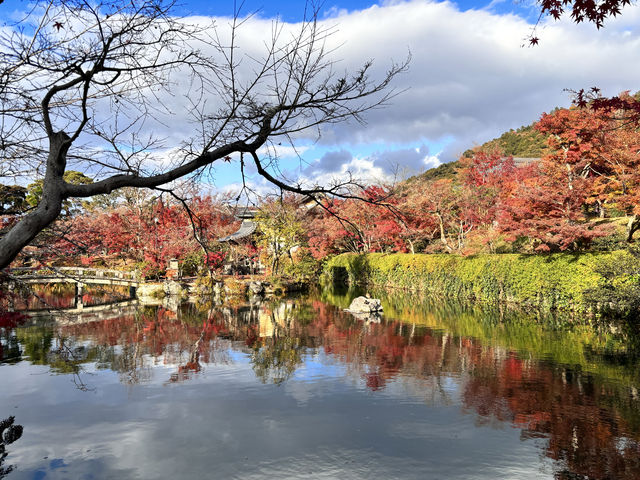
x,y
299,388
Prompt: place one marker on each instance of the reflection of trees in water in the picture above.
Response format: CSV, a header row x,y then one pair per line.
x,y
381,352
45,346
275,359
9,433
10,348
21,296
133,344
592,427
583,418
277,349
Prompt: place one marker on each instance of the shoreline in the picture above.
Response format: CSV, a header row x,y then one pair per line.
x,y
549,282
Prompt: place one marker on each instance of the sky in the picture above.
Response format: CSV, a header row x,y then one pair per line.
x,y
471,78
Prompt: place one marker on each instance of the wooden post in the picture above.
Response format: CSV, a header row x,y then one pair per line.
x,y
11,307
78,296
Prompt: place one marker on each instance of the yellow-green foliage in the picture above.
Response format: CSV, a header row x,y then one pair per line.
x,y
543,336
234,287
549,281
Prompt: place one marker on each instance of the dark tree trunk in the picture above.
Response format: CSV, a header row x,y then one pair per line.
x,y
49,207
632,227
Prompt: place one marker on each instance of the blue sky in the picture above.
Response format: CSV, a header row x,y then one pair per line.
x,y
501,96
294,11
470,78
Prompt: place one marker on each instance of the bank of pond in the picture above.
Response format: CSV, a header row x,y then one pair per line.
x,y
590,285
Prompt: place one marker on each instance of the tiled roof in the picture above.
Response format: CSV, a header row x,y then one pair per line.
x,y
246,228
522,161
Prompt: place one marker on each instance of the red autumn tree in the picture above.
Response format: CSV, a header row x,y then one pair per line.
x,y
603,148
544,202
372,225
151,233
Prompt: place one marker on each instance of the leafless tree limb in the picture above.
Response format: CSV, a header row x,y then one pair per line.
x,y
81,83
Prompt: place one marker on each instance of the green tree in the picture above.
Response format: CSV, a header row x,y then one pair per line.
x,y
281,230
12,199
35,190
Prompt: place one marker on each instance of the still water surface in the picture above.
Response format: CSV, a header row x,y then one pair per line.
x,y
298,388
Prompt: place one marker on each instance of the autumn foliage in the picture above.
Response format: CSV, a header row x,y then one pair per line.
x,y
494,203
558,185
146,234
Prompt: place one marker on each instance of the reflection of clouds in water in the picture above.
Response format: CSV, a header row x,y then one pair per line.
x,y
348,464
301,391
442,406
356,464
433,391
81,468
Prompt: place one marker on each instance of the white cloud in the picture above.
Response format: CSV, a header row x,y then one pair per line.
x,y
386,166
469,79
284,151
345,167
250,192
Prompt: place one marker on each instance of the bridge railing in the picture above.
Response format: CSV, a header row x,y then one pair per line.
x,y
72,273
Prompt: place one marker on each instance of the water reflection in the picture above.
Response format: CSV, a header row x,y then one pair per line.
x,y
44,297
564,392
9,433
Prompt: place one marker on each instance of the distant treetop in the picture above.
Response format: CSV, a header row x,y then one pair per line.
x,y
524,142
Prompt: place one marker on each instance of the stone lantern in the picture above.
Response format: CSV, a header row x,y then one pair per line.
x,y
173,269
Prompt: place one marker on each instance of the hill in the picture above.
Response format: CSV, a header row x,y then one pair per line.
x,y
526,141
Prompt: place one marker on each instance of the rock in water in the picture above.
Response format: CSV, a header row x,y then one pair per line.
x,y
174,288
365,305
257,288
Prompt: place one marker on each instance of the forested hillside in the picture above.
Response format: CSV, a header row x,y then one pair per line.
x,y
581,192
524,142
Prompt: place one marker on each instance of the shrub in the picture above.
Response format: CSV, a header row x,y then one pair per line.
x,y
550,281
303,267
191,263
150,270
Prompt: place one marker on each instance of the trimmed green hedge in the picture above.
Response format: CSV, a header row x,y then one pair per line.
x,y
546,280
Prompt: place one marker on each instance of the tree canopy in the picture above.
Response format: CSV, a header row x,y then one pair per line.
x,y
84,86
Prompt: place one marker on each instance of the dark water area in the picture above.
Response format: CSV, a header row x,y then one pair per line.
x,y
38,297
299,388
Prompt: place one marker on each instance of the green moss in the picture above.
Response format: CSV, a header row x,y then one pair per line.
x,y
552,281
158,293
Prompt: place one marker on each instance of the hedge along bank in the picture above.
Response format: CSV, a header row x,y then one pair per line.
x,y
550,281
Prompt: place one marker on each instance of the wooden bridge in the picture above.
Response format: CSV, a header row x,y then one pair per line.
x,y
76,275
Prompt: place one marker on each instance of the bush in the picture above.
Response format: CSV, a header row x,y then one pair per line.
x,y
550,281
191,263
303,268
619,290
150,270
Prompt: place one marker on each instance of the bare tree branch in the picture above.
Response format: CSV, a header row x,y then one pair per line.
x,y
92,87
